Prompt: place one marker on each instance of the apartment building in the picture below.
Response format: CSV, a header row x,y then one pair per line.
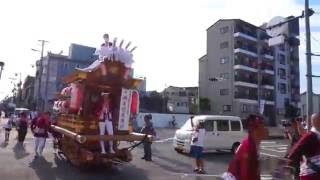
x,y
181,99
303,103
55,67
254,74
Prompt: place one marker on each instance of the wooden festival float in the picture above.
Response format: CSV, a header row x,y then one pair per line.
x,y
77,127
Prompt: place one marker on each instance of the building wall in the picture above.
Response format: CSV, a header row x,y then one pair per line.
x,y
55,67
203,77
215,68
303,104
180,99
210,67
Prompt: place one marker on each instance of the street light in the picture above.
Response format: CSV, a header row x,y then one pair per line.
x,y
1,67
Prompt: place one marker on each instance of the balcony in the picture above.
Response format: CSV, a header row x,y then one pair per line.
x,y
245,62
244,51
246,95
267,95
267,81
245,36
268,102
246,79
267,54
245,48
243,67
267,68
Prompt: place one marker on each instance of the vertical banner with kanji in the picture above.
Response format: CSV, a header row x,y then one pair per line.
x,y
124,112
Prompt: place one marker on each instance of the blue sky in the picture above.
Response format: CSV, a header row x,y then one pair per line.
x,y
311,2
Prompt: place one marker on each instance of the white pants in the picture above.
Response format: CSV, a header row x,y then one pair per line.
x,y
102,127
40,143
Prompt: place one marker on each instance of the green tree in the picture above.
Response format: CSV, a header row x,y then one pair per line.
x,y
205,104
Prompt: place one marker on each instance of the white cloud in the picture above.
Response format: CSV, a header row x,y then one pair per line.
x,y
170,34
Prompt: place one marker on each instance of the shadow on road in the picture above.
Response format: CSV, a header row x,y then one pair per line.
x,y
62,170
171,165
19,151
43,168
4,144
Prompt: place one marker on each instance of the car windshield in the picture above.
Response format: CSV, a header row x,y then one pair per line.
x,y
187,125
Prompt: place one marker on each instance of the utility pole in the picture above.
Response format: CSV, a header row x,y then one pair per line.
x,y
309,67
40,103
1,67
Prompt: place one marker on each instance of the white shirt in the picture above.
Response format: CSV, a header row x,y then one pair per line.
x,y
200,134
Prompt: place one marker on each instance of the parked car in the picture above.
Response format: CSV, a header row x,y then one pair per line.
x,y
222,133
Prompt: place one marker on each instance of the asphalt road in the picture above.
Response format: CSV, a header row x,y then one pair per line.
x,y
19,163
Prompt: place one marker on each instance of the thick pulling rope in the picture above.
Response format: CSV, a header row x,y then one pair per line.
x,y
130,148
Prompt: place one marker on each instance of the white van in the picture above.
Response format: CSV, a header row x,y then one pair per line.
x,y
222,133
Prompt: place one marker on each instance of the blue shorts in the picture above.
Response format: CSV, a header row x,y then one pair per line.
x,y
196,152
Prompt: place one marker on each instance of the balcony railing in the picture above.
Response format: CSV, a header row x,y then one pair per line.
x,y
251,96
267,67
243,62
267,82
245,47
245,36
268,97
251,79
246,31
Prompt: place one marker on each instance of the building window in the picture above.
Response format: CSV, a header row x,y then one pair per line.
x,y
282,73
282,87
224,60
182,94
282,59
224,92
178,104
226,108
224,30
65,65
224,45
224,75
244,108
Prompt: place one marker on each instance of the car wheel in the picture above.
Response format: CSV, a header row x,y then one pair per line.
x,y
235,147
180,151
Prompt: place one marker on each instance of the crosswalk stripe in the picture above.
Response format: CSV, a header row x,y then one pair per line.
x,y
279,145
268,142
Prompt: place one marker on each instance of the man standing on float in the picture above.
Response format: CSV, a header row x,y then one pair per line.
x,y
105,122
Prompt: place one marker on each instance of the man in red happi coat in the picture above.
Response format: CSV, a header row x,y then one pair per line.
x,y
245,165
307,152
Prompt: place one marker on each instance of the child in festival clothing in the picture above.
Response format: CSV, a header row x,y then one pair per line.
x,y
197,143
40,128
245,165
307,149
22,127
7,127
105,121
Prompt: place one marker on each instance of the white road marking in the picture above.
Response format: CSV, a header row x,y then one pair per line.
x,y
280,145
263,176
194,174
270,155
164,140
268,142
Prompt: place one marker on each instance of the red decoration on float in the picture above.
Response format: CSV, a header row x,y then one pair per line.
x,y
76,97
135,102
